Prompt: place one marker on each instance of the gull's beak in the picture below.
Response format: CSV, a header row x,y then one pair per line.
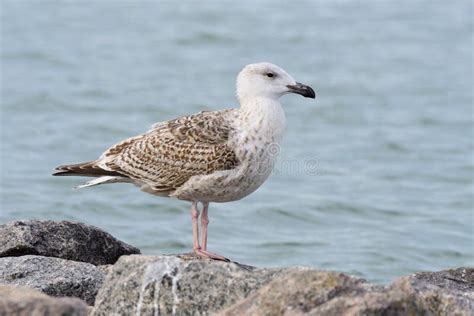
x,y
302,89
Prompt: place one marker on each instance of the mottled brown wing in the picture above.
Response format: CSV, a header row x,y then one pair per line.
x,y
173,151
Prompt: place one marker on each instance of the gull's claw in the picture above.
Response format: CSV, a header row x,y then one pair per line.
x,y
210,255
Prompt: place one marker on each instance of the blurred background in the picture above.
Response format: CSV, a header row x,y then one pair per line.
x,y
375,177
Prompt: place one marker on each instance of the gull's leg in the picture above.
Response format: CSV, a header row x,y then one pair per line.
x,y
194,217
204,222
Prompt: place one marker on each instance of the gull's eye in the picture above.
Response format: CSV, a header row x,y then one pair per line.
x,y
270,74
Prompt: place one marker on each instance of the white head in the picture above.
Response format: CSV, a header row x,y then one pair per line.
x,y
268,81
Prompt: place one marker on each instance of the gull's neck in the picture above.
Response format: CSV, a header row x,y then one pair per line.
x,y
263,116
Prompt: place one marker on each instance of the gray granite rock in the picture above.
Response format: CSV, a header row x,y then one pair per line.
x,y
453,280
183,285
186,285
310,292
53,276
449,292
22,301
61,239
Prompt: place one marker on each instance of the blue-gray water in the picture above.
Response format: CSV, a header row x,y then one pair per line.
x,y
375,176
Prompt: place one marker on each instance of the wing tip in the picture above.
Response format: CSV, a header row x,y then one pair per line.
x,y
64,170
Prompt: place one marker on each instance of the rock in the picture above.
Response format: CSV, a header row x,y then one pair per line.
x,y
183,285
63,239
22,301
310,292
187,285
372,303
292,293
453,280
105,268
449,292
53,276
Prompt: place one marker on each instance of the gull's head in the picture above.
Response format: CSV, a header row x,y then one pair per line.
x,y
268,81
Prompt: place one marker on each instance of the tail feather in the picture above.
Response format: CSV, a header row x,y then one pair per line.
x,y
85,169
100,180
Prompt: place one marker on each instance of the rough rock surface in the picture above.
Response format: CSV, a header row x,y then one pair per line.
x,y
449,292
458,280
22,301
186,285
310,292
175,284
53,276
63,239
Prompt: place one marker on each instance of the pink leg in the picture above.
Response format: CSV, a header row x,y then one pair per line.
x,y
204,222
194,217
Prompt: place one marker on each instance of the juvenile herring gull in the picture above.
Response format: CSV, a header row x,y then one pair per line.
x,y
216,156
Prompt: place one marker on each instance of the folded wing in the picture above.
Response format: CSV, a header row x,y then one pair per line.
x,y
169,154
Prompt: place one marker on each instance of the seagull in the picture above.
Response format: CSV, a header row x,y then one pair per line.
x,y
211,156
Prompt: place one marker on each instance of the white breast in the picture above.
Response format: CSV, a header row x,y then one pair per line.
x,y
256,141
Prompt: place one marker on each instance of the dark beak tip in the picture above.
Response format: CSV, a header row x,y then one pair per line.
x,y
311,93
304,90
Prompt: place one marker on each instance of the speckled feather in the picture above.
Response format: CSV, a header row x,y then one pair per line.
x,y
171,152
